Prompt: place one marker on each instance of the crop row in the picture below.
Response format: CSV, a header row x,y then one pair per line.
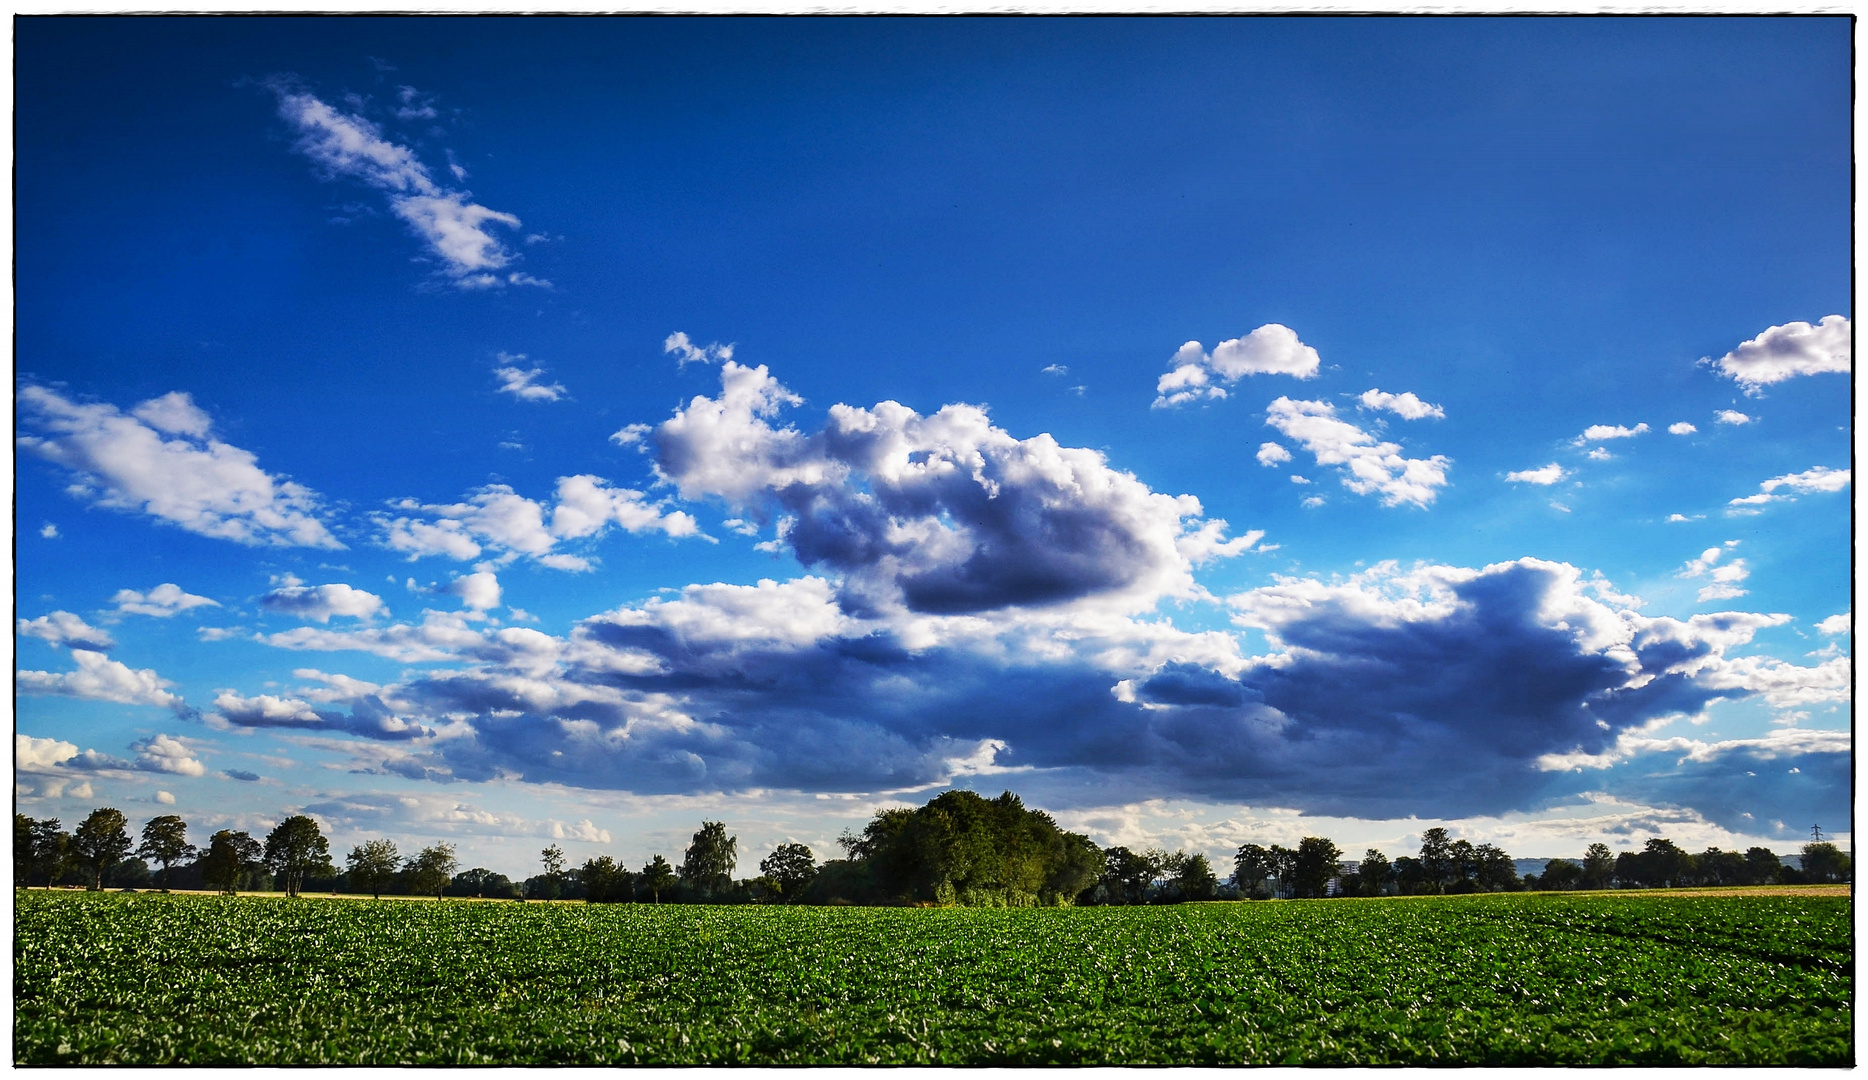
x,y
1497,979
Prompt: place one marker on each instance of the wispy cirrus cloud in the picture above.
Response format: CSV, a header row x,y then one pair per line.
x,y
454,228
161,602
163,460
523,383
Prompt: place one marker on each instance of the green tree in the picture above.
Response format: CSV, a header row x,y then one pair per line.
x,y
1193,877
606,882
100,841
372,865
165,839
431,869
1716,867
553,860
1315,864
1373,873
791,867
1251,867
1560,874
1598,867
707,866
1438,859
295,848
41,850
1762,866
1127,874
657,877
230,855
1824,863
1493,870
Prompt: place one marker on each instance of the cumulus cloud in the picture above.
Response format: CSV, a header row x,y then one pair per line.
x,y
686,352
64,628
317,603
1681,428
1834,624
942,514
1602,432
167,754
455,229
1732,416
98,678
1406,406
160,602
523,383
497,517
479,590
369,716
1784,352
1272,454
632,435
49,531
1810,481
1545,476
1368,467
162,460
1271,349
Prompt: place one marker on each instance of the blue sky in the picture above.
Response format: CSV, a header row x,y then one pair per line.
x,y
521,431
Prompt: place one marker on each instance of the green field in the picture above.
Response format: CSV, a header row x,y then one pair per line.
x,y
111,978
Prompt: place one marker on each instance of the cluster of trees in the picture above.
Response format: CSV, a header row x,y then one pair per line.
x,y
1662,864
959,848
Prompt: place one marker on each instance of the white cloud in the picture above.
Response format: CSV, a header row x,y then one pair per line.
x,y
942,513
455,229
1296,479
1683,517
1681,428
161,602
64,628
1312,503
33,755
1545,476
49,531
632,435
500,518
166,798
1271,349
99,678
1834,624
1271,454
1598,454
479,591
167,754
1784,352
1819,478
522,382
195,481
415,105
1056,369
319,602
1407,406
1733,417
686,352
1725,578
1370,467
1600,432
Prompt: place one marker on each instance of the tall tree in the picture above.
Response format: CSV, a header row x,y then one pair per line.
x,y
792,866
230,855
1251,867
657,877
431,869
553,860
606,882
1314,865
1560,874
1762,866
1193,877
1438,859
295,848
372,865
707,866
1373,872
41,850
1824,863
1127,874
1598,867
165,839
101,841
1493,870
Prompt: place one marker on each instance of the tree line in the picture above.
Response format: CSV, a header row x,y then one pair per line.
x,y
958,849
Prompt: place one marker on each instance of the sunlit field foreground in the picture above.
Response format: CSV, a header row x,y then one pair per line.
x,y
1605,977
